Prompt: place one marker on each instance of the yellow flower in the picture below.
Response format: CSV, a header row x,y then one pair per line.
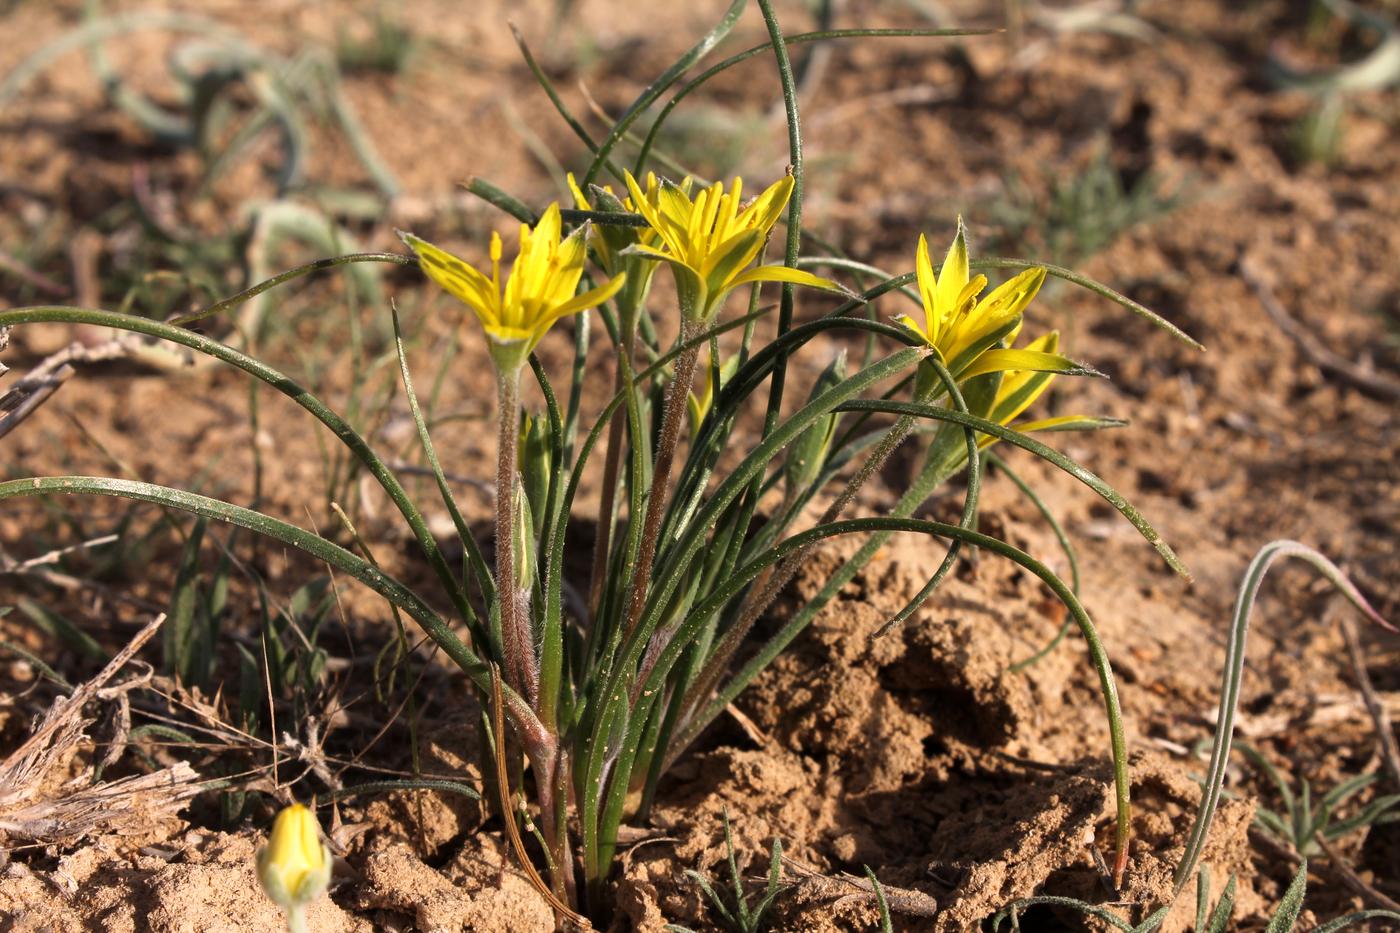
x,y
610,240
295,866
709,241
699,405
543,281
1020,388
965,330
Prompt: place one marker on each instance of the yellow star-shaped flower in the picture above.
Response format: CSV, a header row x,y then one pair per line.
x,y
542,287
709,241
973,334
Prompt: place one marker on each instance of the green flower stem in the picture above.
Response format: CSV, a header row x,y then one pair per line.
x,y
513,599
552,794
296,919
672,416
610,694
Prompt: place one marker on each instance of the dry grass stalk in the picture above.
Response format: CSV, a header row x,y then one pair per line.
x,y
34,808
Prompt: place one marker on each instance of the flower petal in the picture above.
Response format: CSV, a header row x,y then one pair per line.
x,y
645,206
994,361
1061,423
953,277
928,291
727,258
763,213
463,282
589,299
785,274
1012,296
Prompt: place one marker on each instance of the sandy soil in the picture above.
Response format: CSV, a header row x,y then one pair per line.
x,y
965,786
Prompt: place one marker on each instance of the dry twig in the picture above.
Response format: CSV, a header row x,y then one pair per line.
x,y
1378,385
26,395
1385,735
906,901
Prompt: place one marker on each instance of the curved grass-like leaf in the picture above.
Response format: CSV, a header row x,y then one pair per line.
x,y
1012,912
1066,546
817,36
474,555
733,585
658,87
282,383
1010,435
388,787
254,291
108,27
611,692
1350,920
313,544
1232,677
1291,904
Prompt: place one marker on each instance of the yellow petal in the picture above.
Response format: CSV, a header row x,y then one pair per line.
x,y
1062,423
725,259
580,201
457,277
550,225
928,290
1012,296
995,361
763,213
953,277
785,274
589,299
646,206
676,216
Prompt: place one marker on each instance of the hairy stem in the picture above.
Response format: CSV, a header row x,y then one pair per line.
x,y
296,919
552,790
671,419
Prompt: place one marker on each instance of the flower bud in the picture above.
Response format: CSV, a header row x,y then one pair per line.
x,y
700,405
524,534
295,866
536,454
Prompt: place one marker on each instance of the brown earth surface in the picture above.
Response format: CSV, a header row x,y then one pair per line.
x,y
921,754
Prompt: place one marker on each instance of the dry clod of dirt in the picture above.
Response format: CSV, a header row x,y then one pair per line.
x,y
477,893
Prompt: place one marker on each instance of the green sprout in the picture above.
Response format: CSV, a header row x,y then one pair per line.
x,y
1303,821
736,911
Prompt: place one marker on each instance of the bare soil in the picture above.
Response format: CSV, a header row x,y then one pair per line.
x,y
922,755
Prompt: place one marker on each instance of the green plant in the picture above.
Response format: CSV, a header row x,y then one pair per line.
x,y
1084,213
389,47
881,903
1318,134
1302,822
734,911
599,701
